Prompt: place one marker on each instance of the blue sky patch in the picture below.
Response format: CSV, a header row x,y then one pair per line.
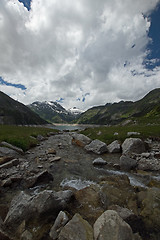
x,y
154,33
2,82
61,100
26,3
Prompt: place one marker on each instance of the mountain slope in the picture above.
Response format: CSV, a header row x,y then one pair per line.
x,y
146,109
13,112
52,112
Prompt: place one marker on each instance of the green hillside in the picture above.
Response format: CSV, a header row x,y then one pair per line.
x,y
145,110
15,113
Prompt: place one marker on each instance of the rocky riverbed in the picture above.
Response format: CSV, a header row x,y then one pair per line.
x,y
69,187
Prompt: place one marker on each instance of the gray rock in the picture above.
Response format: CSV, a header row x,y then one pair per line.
x,y
127,163
60,222
111,226
80,139
97,147
4,151
76,229
129,217
8,145
133,145
26,207
20,209
10,164
151,164
114,147
132,133
54,159
99,161
39,179
26,235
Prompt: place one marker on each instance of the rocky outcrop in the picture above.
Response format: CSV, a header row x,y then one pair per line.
x,y
76,229
96,146
133,145
111,226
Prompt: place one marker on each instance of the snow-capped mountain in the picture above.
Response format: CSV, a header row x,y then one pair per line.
x,y
54,112
75,111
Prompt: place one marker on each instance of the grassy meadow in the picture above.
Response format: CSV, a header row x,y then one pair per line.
x,y
22,136
106,134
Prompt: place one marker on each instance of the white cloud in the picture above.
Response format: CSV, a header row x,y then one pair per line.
x,y
65,49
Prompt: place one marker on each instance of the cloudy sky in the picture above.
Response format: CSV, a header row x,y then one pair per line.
x,y
80,53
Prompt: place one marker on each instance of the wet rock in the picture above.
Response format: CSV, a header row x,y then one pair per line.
x,y
76,229
99,161
111,226
80,139
133,145
97,147
39,179
8,145
114,147
151,164
127,163
60,222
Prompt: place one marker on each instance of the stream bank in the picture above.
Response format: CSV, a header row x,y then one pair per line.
x,y
62,168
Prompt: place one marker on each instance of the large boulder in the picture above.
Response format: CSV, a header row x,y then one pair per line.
x,y
117,190
76,229
133,145
89,203
111,226
43,205
151,164
80,139
127,163
114,147
150,210
97,147
129,217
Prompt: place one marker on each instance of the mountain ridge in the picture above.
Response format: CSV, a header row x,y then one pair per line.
x,y
13,112
144,109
